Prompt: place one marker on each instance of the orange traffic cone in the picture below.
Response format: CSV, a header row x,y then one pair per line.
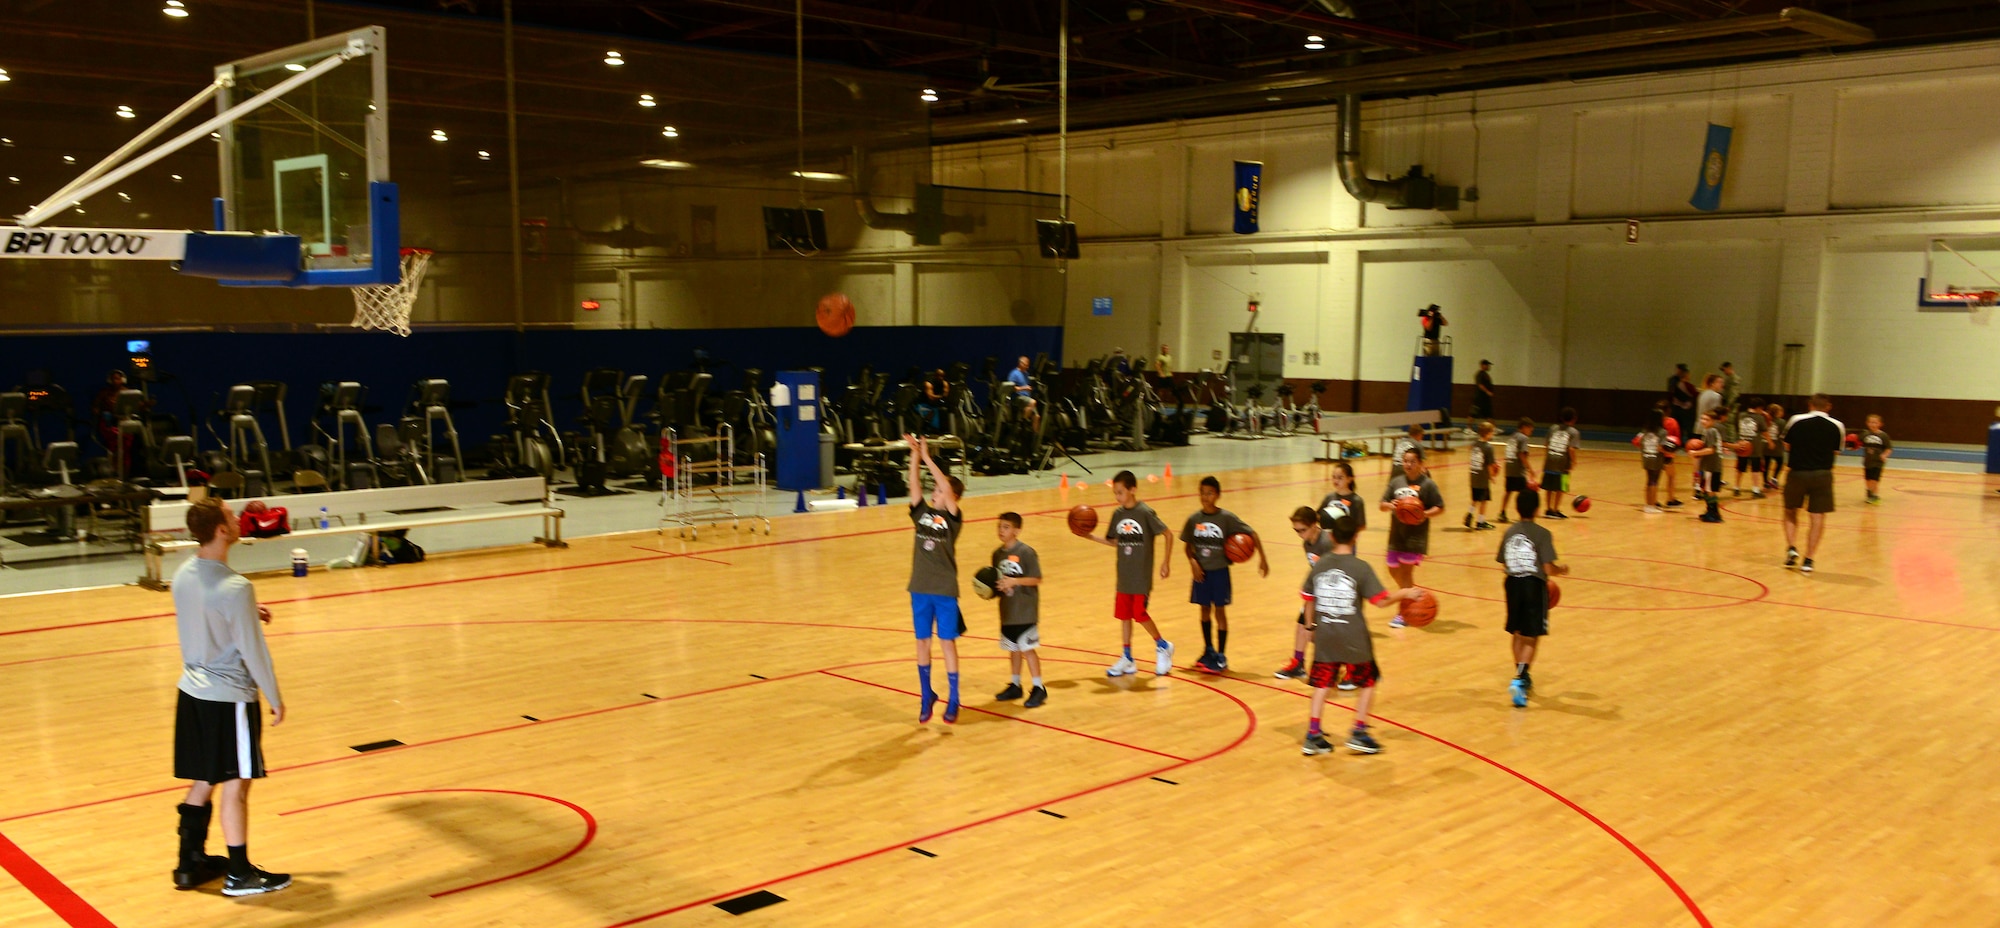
x,y
1170,470
1065,482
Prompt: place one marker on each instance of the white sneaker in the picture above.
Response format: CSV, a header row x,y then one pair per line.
x,y
1397,621
1122,668
1163,658
1652,510
1344,685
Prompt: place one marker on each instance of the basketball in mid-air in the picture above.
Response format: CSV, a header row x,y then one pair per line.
x,y
1555,595
1082,520
1582,504
836,314
1410,510
1239,547
1421,611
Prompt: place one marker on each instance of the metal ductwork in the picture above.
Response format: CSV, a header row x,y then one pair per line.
x,y
926,225
1411,191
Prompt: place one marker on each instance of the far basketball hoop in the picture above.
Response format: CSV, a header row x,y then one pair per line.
x,y
386,307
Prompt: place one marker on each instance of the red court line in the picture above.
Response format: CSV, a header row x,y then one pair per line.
x,y
1249,729
60,899
1686,900
50,628
1016,718
589,827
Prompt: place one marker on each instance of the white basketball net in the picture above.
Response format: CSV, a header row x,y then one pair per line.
x,y
386,307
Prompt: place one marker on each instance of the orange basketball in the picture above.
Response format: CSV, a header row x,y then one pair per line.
x,y
1082,520
1410,510
1421,611
1696,444
1582,504
1555,594
836,314
1239,547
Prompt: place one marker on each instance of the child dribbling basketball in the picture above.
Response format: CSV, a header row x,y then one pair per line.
x,y
1133,529
1318,543
1203,539
1409,543
1519,472
1334,590
1528,553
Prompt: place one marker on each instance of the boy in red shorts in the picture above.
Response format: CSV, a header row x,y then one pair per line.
x,y
1134,530
1334,590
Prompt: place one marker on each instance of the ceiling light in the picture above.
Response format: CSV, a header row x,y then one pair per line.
x,y
1272,99
819,175
122,195
670,132
485,155
666,165
1315,42
125,112
12,179
437,135
216,136
295,66
646,99
69,159
929,95
176,9
613,59
177,178
6,143
3,76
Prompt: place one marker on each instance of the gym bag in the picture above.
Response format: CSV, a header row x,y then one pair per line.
x,y
261,521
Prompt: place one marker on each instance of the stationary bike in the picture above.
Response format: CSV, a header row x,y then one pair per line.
x,y
531,446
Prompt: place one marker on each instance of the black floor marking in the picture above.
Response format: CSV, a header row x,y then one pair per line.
x,y
1168,782
923,852
1051,814
750,902
533,719
760,676
649,695
378,745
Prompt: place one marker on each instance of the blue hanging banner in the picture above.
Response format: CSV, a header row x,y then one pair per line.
x,y
1249,190
1714,166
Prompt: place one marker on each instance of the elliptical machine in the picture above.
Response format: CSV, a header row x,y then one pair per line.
x,y
532,446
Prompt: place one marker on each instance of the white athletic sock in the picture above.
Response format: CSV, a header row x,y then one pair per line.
x,y
1017,680
1038,683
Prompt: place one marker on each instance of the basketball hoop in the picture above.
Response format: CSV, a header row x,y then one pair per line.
x,y
386,307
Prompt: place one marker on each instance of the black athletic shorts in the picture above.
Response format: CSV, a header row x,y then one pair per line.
x,y
1527,606
1871,473
218,741
1652,476
1811,489
1481,494
1517,484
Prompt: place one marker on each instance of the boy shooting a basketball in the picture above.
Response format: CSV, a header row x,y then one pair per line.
x,y
934,575
1019,586
1408,543
1203,539
1134,529
1528,553
218,735
1342,651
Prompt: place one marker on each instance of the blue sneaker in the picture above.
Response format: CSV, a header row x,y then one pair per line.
x,y
1519,691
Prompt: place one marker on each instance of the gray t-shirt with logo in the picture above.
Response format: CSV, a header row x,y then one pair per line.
x,y
1022,606
1337,586
1479,457
1517,453
1651,442
1134,529
1873,444
1352,502
1563,440
1526,549
1412,539
934,561
1206,533
1712,463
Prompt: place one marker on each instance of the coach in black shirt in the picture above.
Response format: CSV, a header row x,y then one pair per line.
x,y
1812,440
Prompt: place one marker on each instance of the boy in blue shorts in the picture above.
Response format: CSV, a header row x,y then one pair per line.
x,y
934,575
1203,539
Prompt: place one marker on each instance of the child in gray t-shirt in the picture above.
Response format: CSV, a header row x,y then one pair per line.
x,y
1133,529
1019,594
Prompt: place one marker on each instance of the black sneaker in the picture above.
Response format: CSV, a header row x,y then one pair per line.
x,y
1316,744
1527,681
1502,519
199,870
1013,691
1360,742
1554,515
1675,504
1791,557
256,883
1468,520
1484,526
1710,517
1036,697
1806,567
1293,670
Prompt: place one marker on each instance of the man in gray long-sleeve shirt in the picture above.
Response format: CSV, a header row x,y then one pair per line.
x,y
218,731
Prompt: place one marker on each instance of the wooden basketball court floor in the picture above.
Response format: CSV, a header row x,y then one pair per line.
x,y
637,728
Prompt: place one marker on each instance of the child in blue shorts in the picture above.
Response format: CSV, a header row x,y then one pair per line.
x,y
934,575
